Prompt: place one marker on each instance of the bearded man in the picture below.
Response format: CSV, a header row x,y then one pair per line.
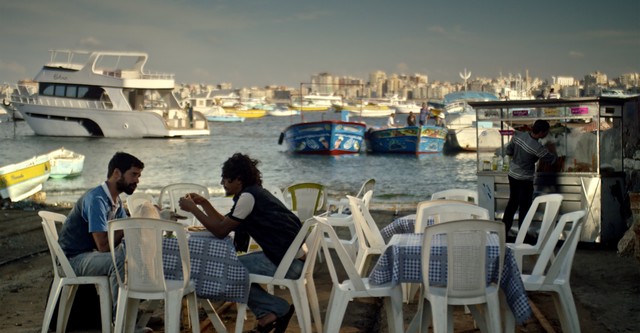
x,y
83,237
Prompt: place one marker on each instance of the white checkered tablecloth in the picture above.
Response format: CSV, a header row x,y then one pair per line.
x,y
402,262
215,268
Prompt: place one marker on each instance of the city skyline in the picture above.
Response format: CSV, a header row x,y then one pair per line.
x,y
285,42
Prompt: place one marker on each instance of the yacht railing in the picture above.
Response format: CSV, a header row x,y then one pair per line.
x,y
60,102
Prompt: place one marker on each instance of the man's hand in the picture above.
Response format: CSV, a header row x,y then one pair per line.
x,y
188,204
197,198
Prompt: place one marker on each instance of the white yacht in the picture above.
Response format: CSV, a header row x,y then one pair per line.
x,y
461,121
105,94
316,102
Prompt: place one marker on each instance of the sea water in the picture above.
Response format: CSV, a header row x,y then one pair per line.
x,y
400,179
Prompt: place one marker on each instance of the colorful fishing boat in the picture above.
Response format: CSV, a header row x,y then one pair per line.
x,y
407,140
65,163
326,137
23,179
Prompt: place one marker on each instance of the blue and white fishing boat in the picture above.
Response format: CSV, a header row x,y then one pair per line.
x,y
407,140
325,137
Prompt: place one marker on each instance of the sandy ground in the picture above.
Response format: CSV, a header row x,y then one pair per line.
x,y
606,287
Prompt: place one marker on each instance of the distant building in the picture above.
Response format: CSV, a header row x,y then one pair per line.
x,y
594,82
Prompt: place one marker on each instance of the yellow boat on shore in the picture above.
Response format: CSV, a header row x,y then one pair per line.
x,y
23,179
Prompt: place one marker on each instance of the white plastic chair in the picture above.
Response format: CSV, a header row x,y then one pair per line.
x,y
466,274
170,196
555,279
447,210
521,249
355,286
342,207
370,240
347,221
305,199
66,282
438,211
144,273
136,199
302,289
457,194
277,192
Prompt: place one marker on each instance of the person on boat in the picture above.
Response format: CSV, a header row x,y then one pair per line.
x,y
524,150
411,119
190,114
263,217
391,121
84,238
424,111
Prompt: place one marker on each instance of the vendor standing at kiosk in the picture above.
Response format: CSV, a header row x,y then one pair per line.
x,y
525,150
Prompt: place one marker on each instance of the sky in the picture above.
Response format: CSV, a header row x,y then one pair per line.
x,y
254,43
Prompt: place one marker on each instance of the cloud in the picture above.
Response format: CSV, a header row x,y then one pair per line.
x,y
617,37
12,67
576,55
90,42
437,29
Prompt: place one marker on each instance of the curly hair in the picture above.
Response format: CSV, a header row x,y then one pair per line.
x,y
242,167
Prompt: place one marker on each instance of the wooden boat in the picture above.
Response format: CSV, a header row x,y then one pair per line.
x,y
245,112
407,140
326,137
23,179
65,163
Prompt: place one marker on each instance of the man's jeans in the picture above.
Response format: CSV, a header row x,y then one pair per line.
x,y
96,263
260,301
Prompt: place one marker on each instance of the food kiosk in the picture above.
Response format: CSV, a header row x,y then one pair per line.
x,y
586,134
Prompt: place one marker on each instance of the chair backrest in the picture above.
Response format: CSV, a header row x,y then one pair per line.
x,y
561,262
143,256
58,258
171,194
367,230
367,186
457,194
136,199
308,237
551,204
439,211
466,242
343,256
306,199
277,192
222,204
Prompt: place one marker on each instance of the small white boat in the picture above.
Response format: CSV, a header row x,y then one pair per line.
x,y
23,179
65,163
371,111
216,113
407,107
282,112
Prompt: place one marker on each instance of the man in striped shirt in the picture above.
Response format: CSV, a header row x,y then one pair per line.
x,y
525,151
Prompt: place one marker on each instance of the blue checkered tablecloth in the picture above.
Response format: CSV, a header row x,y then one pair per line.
x,y
402,262
402,225
215,268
